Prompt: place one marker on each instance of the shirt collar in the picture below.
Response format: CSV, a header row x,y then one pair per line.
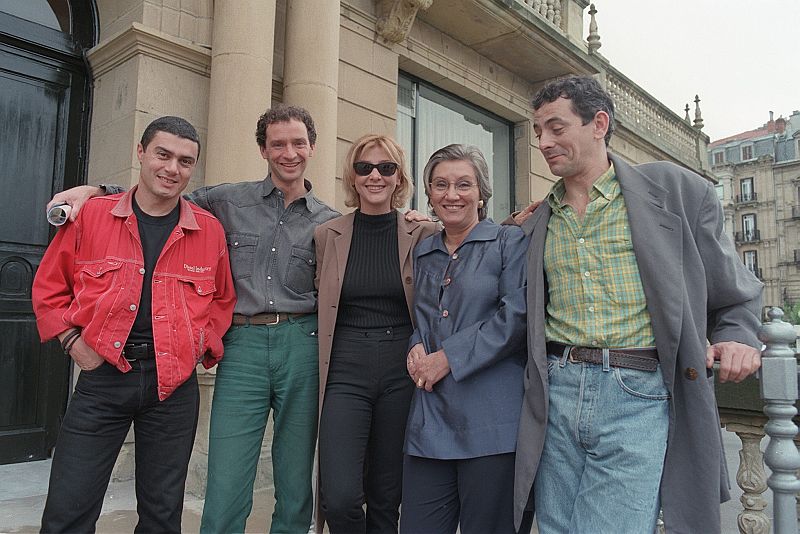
x,y
124,208
312,203
606,186
485,230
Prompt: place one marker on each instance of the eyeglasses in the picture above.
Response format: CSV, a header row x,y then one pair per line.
x,y
443,186
364,168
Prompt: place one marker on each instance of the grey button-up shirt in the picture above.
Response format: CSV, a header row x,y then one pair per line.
x,y
271,247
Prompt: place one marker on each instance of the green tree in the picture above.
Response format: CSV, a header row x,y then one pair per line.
x,y
791,312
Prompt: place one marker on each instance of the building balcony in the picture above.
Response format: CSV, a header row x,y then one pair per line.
x,y
750,236
746,197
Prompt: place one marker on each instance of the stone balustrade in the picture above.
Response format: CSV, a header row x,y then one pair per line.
x,y
549,10
639,112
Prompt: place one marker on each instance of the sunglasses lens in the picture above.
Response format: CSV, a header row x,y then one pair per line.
x,y
363,168
387,169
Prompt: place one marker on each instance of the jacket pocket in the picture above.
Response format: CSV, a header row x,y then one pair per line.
x,y
242,251
196,295
300,270
97,280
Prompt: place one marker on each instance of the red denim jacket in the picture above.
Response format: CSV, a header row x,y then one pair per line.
x,y
91,277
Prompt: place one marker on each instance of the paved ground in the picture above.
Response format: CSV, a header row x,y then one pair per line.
x,y
23,488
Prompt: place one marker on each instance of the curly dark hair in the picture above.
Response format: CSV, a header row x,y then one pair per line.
x,y
586,95
283,113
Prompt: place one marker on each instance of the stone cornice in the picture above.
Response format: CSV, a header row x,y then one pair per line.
x,y
142,40
395,17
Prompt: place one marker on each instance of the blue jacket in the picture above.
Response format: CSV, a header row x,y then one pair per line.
x,y
472,305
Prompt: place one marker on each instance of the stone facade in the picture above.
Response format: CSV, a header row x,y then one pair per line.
x,y
760,173
220,64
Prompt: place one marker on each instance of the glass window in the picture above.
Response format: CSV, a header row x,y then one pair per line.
x,y
747,152
751,260
720,189
746,190
428,119
719,157
54,14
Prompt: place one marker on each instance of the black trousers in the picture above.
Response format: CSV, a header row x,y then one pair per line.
x,y
362,428
103,406
475,494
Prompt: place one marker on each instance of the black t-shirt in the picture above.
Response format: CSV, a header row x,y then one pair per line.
x,y
154,232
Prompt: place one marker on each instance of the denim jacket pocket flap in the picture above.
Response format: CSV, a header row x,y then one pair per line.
x,y
98,269
202,286
303,256
237,240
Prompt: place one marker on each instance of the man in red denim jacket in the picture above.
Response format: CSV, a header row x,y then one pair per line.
x,y
138,291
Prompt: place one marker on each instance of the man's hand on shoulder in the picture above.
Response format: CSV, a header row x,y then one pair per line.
x,y
415,216
737,361
75,197
523,215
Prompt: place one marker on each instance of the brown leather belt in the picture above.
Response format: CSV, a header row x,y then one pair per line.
x,y
264,318
638,359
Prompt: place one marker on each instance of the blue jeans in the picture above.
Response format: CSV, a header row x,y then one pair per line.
x,y
603,455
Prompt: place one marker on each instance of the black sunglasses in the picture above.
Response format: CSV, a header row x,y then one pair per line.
x,y
364,168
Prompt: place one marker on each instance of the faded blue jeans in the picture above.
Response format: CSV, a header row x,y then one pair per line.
x,y
600,469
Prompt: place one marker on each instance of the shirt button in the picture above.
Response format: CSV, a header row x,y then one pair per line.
x,y
280,222
273,249
271,302
595,342
586,274
117,344
455,255
447,281
581,240
235,243
133,307
269,277
408,279
591,308
141,270
445,313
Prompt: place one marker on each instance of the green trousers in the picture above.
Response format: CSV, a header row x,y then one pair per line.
x,y
264,367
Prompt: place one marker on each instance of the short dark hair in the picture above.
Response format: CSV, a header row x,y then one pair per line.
x,y
586,95
172,125
283,113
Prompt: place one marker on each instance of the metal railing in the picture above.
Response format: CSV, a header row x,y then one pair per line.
x,y
748,236
746,197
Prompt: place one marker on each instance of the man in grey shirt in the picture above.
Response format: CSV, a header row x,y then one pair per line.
x,y
271,359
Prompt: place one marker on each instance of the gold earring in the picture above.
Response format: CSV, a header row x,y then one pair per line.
x,y
480,204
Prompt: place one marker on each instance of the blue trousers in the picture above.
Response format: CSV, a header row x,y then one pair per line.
x,y
603,455
103,406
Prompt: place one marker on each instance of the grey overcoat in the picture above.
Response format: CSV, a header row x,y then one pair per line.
x,y
697,288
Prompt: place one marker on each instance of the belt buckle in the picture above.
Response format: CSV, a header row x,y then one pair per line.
x,y
570,357
277,320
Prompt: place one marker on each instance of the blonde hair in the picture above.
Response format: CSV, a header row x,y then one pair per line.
x,y
396,154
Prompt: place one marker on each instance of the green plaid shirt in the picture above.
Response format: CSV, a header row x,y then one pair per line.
x,y
596,294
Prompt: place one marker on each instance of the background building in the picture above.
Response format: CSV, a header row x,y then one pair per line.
x,y
759,182
80,79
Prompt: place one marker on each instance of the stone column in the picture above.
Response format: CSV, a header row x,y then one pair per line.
x,y
311,80
241,88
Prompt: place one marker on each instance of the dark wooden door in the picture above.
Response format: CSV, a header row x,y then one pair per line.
x,y
43,103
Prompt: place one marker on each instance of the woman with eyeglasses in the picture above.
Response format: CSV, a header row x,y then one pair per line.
x,y
467,358
364,277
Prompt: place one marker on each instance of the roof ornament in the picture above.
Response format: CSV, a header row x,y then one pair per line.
x,y
594,37
698,117
686,117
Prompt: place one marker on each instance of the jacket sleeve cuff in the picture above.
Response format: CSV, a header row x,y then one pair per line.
x,y
51,324
214,350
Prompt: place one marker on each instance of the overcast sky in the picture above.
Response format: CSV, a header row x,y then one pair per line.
x,y
741,56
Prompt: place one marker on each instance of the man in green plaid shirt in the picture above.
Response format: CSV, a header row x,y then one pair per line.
x,y
634,291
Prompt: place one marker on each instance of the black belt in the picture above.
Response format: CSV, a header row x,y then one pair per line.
x,y
264,318
638,359
139,351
